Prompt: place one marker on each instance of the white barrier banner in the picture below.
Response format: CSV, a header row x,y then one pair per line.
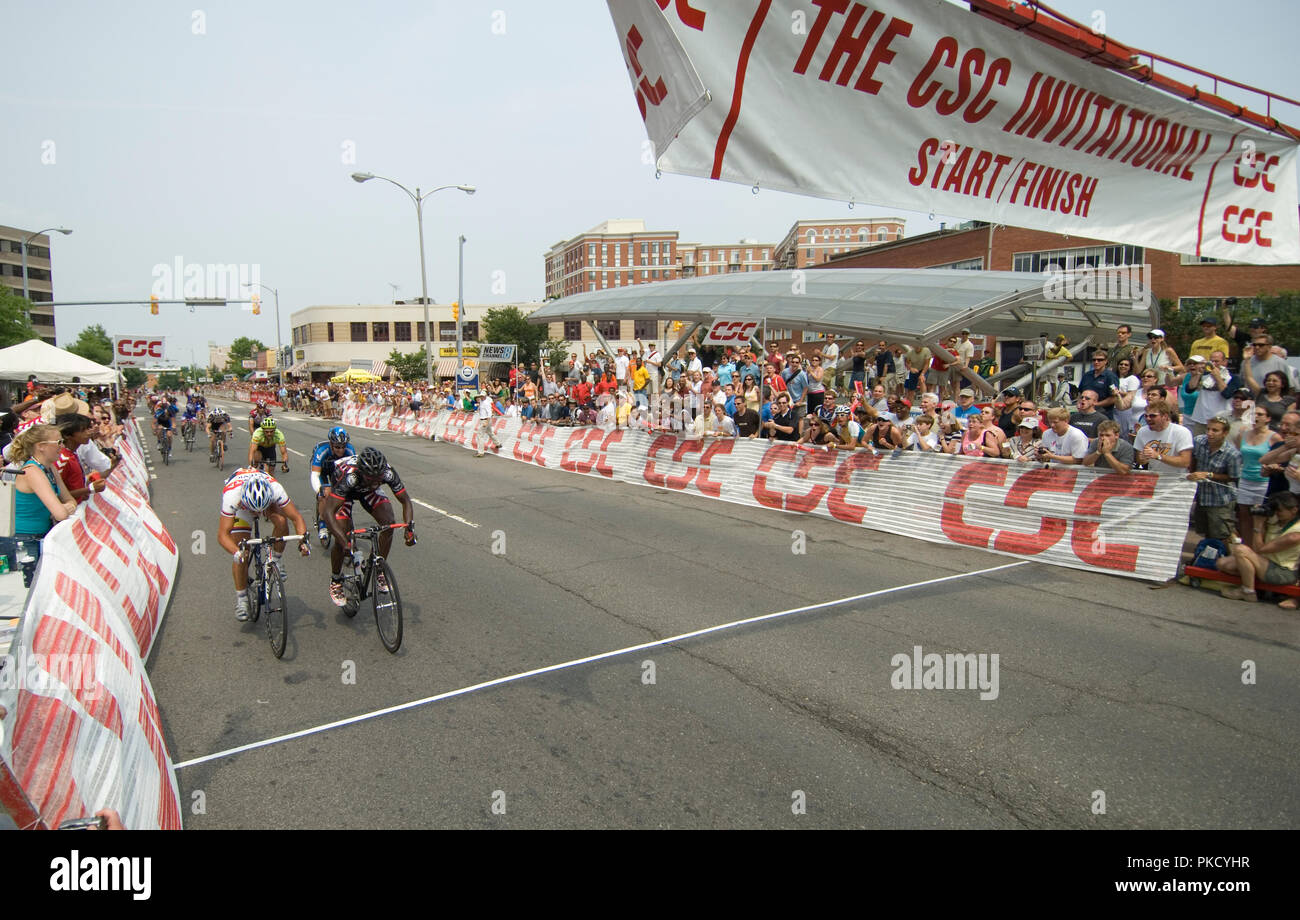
x,y
1073,516
83,730
919,104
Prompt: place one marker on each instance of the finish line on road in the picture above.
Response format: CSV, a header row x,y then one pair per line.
x,y
523,675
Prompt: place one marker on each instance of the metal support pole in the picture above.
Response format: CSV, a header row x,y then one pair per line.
x,y
460,311
424,292
279,348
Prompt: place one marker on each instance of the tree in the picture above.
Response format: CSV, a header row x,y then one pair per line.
x,y
134,377
510,326
557,352
241,350
93,344
170,380
15,323
408,366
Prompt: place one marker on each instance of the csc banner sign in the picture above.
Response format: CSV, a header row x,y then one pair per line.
x,y
138,350
1078,517
82,729
728,331
960,115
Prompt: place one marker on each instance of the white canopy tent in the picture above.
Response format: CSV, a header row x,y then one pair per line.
x,y
51,365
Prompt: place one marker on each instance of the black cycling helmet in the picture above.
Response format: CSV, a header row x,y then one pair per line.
x,y
371,463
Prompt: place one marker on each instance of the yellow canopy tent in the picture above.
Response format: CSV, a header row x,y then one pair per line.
x,y
352,375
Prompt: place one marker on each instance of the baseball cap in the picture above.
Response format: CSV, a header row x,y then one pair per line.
x,y
1011,391
1244,393
967,392
1257,322
1156,332
1028,423
965,332
1208,320
1199,359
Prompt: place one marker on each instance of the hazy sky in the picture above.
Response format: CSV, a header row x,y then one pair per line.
x,y
218,132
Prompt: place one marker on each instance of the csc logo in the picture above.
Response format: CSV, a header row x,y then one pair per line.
x,y
1238,226
730,331
139,348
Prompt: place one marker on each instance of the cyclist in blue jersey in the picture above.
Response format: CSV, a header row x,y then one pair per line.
x,y
336,447
165,413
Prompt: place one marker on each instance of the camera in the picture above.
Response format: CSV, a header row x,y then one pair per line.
x,y
1266,508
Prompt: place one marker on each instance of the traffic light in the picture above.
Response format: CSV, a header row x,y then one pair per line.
x,y
257,305
153,304
455,311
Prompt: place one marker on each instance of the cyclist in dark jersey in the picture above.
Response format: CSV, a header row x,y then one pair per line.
x,y
360,478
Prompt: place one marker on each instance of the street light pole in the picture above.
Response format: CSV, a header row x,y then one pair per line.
x,y
23,247
279,348
424,286
460,310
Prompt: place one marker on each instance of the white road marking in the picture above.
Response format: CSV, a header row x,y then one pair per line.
x,y
454,517
292,451
564,665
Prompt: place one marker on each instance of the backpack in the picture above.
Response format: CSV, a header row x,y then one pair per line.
x,y
1208,552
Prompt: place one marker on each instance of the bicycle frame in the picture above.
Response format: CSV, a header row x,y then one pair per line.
x,y
366,565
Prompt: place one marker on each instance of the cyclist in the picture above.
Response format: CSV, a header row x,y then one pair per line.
x,y
323,458
199,403
360,478
264,442
246,495
163,416
218,421
190,419
255,416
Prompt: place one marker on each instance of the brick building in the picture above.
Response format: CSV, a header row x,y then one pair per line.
x,y
975,245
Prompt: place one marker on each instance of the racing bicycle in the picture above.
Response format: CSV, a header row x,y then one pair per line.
x,y
219,454
187,432
266,588
165,444
373,578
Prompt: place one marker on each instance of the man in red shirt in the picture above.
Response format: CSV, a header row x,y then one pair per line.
x,y
76,431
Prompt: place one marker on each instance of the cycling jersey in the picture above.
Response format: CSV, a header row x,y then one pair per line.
x,y
324,458
261,439
348,485
191,414
234,490
165,414
217,419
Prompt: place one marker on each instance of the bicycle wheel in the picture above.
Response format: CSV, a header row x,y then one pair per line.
x,y
388,607
167,452
221,455
277,612
256,594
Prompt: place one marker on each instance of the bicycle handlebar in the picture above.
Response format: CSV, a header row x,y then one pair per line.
x,y
262,540
376,529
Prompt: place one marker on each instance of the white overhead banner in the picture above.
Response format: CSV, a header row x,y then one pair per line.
x,y
920,104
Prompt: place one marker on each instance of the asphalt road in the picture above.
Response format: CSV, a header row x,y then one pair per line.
x,y
1109,692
